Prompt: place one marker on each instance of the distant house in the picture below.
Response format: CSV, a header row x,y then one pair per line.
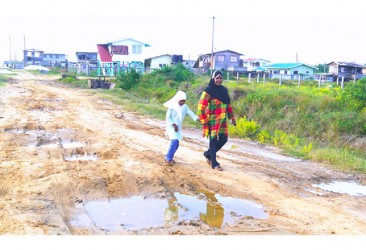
x,y
290,70
53,59
222,60
251,64
121,53
347,71
32,57
87,57
162,60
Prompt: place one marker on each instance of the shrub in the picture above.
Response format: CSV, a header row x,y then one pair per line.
x,y
127,80
245,128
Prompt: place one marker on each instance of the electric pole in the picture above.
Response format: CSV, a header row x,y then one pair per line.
x,y
212,48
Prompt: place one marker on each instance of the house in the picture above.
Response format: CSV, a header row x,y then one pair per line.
x,y
85,62
346,70
162,60
252,64
52,60
87,57
221,60
120,53
32,57
290,71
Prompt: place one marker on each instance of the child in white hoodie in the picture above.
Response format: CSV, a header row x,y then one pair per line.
x,y
177,109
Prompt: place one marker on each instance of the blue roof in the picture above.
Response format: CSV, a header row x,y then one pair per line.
x,y
286,65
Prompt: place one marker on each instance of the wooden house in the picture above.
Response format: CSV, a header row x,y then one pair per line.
x,y
347,71
114,55
221,60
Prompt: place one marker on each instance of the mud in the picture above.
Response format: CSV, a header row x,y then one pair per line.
x,y
71,162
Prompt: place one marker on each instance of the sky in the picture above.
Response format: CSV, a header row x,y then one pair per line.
x,y
309,31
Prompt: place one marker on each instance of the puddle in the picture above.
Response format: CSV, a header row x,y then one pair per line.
x,y
72,144
137,213
343,187
81,157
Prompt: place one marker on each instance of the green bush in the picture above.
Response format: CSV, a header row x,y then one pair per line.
x,y
244,128
127,80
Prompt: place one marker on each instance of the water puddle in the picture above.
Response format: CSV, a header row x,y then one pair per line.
x,y
81,157
138,213
72,144
343,187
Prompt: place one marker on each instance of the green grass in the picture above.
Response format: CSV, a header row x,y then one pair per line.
x,y
306,122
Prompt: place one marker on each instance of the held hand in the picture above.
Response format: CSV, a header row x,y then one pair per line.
x,y
175,127
233,122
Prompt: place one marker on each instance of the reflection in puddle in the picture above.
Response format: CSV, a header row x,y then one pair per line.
x,y
342,187
138,213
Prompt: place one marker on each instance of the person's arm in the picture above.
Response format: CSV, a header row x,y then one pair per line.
x,y
192,114
169,120
201,108
230,114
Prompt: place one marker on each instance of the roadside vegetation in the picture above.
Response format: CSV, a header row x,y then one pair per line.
x,y
326,124
2,80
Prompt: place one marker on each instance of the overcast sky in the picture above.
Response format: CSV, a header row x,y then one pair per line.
x,y
316,31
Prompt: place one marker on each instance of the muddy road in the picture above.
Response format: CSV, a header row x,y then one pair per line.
x,y
74,163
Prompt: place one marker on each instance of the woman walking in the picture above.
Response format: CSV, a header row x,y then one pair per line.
x,y
214,108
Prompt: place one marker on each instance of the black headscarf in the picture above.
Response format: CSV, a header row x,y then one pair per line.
x,y
217,91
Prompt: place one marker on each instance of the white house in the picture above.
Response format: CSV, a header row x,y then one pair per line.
x,y
121,53
253,63
162,60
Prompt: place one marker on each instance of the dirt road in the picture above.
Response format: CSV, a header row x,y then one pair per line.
x,y
73,163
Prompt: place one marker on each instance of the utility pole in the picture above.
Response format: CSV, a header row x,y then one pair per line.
x,y
24,53
212,48
10,49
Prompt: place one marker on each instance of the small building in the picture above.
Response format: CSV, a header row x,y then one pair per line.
x,y
252,64
54,60
346,70
162,61
221,60
32,57
290,71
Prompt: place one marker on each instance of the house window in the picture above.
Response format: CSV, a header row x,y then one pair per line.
x,y
233,59
296,72
136,49
221,58
342,69
307,72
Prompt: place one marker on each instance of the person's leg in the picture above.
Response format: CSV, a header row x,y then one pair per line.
x,y
222,141
173,147
213,149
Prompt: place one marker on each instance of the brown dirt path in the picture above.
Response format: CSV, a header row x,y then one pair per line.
x,y
44,182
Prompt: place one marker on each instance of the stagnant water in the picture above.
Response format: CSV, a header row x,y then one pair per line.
x,y
343,187
137,212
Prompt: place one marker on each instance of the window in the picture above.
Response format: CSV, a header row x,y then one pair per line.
x,y
296,72
136,49
221,58
233,59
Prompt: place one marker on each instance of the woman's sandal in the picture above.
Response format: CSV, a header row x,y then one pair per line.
x,y
218,168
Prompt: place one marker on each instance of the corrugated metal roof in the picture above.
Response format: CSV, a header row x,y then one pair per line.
x,y
104,54
286,65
